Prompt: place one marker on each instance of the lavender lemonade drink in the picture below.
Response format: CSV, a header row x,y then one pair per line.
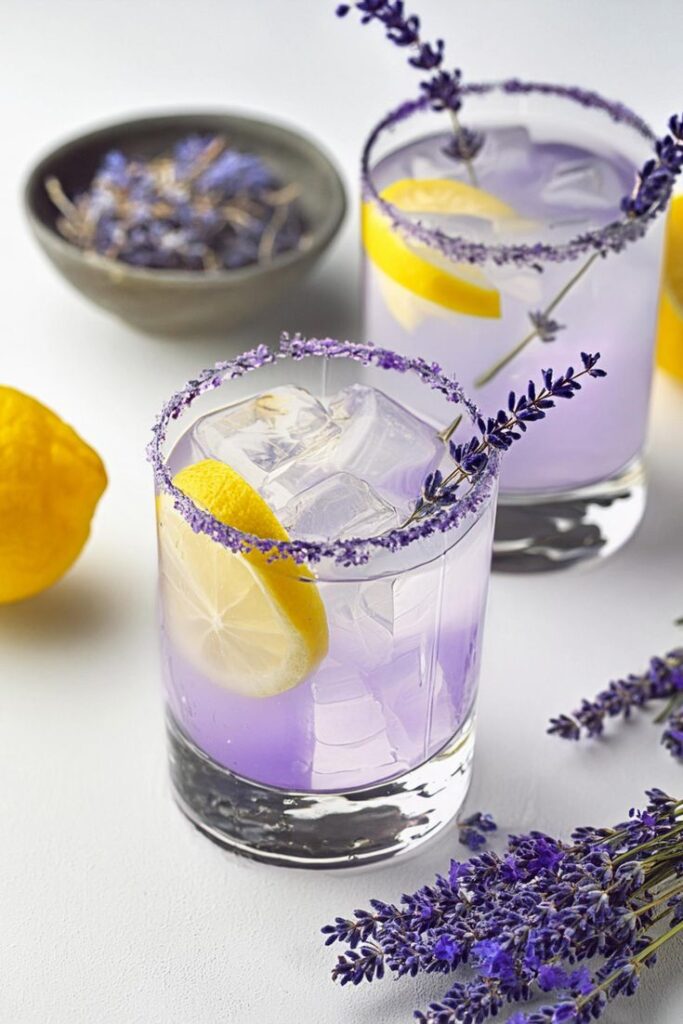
x,y
324,556
548,188
321,686
506,226
538,207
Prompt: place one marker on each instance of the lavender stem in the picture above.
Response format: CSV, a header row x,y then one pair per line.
x,y
488,376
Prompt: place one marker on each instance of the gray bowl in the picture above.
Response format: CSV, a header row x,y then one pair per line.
x,y
182,302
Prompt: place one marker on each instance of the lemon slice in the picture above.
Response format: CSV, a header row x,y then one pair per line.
x,y
670,326
458,287
252,626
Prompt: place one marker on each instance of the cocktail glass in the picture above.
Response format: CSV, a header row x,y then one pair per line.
x,y
369,753
520,260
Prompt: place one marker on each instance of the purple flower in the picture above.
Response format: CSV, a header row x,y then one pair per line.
x,y
472,830
499,433
546,328
203,206
546,855
662,680
464,144
551,976
522,934
444,90
672,737
565,1013
656,178
232,172
446,948
580,981
492,960
471,838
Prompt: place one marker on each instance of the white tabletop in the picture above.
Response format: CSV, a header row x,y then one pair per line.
x,y
112,908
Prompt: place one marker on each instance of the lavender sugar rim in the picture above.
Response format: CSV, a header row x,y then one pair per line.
x,y
353,551
610,238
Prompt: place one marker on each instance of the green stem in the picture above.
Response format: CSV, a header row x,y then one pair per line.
x,y
659,899
635,960
660,874
446,434
628,855
669,708
509,356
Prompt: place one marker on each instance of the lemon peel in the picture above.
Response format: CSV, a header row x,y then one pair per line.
x,y
461,288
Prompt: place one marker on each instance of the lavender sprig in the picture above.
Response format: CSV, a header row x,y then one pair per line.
x,y
661,681
579,920
656,179
501,431
443,89
404,31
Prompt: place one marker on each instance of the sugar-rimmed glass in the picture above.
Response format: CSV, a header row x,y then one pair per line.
x,y
371,754
576,490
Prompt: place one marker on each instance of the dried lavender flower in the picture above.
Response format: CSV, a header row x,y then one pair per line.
x,y
661,681
546,328
204,206
472,831
656,179
499,432
576,920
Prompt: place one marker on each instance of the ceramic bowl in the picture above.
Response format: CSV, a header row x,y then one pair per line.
x,y
182,302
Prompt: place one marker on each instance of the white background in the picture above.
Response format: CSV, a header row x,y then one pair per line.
x,y
112,909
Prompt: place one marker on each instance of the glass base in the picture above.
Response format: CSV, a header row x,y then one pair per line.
x,y
545,532
321,830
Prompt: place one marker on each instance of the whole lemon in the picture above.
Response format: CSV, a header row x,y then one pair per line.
x,y
50,483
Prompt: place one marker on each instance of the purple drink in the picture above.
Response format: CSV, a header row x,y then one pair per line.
x,y
385,711
537,179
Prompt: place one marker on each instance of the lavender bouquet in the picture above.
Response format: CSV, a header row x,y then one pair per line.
x,y
204,206
570,924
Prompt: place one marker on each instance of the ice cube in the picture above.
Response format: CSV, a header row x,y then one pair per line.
x,y
383,443
508,145
584,184
261,434
506,150
340,505
298,474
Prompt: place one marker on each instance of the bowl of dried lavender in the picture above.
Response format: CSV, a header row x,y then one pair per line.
x,y
185,224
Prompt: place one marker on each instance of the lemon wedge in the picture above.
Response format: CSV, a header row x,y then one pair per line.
x,y
670,326
459,287
251,626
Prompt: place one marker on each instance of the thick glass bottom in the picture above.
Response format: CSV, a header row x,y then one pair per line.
x,y
321,830
545,532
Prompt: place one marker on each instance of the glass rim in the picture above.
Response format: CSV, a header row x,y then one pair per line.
x,y
347,552
612,237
